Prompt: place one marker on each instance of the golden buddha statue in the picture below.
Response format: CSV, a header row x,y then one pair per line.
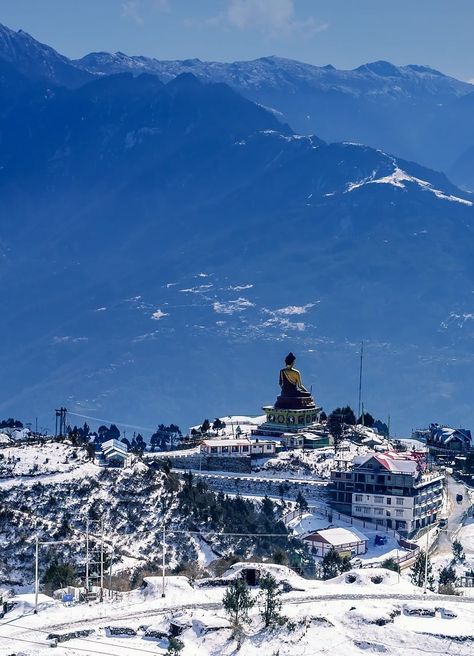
x,y
293,393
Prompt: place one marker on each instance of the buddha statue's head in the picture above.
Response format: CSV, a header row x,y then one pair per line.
x,y
290,359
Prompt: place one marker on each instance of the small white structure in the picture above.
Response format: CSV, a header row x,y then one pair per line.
x,y
114,454
238,447
347,542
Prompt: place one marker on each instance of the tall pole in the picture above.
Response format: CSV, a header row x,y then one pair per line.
x,y
360,375
102,559
36,573
110,571
425,583
87,556
163,564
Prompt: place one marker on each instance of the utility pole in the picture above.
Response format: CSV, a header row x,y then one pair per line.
x,y
388,425
87,556
110,570
163,564
36,574
360,375
102,559
425,582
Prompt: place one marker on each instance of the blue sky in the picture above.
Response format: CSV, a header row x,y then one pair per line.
x,y
345,33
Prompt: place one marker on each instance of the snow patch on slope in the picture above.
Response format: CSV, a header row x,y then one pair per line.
x,y
398,178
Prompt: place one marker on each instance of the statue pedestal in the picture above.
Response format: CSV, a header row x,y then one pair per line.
x,y
287,420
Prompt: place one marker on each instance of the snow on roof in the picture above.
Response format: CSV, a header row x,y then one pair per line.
x,y
389,461
446,434
340,536
115,444
227,442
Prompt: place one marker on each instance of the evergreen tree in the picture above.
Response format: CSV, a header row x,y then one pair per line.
x,y
301,502
366,419
334,564
391,563
335,427
447,575
417,575
348,416
59,575
217,424
381,427
268,508
206,425
237,601
269,596
323,416
458,552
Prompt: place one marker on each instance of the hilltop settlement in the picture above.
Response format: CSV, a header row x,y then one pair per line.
x,y
248,515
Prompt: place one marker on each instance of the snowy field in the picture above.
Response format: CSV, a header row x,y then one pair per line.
x,y
364,611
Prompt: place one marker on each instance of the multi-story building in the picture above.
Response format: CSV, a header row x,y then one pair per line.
x,y
389,489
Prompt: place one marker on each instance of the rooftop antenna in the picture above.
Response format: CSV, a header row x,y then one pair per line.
x,y
360,376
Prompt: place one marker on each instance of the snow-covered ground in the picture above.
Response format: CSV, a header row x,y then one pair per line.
x,y
375,553
361,611
31,463
304,463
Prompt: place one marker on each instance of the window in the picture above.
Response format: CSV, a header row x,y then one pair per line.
x,y
245,447
268,447
378,499
399,513
389,501
235,449
379,511
213,449
399,502
366,510
358,509
358,497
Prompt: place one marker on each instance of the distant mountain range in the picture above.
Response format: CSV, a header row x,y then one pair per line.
x,y
411,111
165,240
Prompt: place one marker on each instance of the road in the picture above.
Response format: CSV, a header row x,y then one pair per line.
x,y
456,512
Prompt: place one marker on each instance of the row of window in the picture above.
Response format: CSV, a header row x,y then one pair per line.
x,y
377,499
366,510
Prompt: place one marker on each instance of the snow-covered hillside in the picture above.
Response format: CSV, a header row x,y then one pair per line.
x,y
357,612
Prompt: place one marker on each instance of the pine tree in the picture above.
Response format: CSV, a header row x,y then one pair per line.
x,y
417,575
335,427
447,575
458,552
270,594
268,507
301,503
237,601
334,564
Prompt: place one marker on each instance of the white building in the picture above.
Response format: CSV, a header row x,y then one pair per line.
x,y
114,454
238,447
389,489
346,541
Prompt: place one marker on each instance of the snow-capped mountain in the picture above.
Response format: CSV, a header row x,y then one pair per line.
x,y
160,239
414,112
400,109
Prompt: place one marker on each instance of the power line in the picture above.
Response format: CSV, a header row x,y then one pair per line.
x,y
111,421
